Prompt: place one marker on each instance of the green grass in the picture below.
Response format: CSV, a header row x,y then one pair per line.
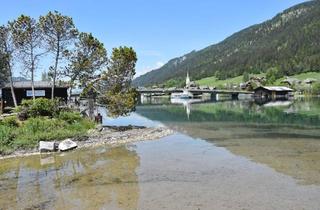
x,y
213,81
16,135
303,76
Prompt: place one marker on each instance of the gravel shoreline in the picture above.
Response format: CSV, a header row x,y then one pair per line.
x,y
106,136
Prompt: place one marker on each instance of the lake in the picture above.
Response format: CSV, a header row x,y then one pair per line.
x,y
224,155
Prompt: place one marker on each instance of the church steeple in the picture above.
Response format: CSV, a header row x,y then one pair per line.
x,y
187,80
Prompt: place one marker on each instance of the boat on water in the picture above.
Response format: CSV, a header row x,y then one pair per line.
x,y
184,95
184,101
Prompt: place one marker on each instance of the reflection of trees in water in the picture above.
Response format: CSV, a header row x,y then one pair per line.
x,y
285,141
86,179
235,111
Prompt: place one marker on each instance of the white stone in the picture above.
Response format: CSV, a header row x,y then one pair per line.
x,y
67,145
46,146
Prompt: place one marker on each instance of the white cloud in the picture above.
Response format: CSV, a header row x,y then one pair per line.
x,y
146,69
159,64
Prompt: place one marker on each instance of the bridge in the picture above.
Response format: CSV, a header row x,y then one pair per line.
x,y
195,91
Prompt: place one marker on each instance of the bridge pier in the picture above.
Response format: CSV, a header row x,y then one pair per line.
x,y
213,97
234,96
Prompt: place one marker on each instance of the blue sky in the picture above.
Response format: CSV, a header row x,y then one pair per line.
x,y
158,30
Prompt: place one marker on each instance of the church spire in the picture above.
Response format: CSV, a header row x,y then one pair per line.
x,y
187,80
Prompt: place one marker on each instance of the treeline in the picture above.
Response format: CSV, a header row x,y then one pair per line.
x,y
288,43
78,56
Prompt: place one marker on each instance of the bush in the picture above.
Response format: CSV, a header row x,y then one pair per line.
x,y
39,107
10,121
7,136
45,123
70,117
316,88
47,129
272,75
245,77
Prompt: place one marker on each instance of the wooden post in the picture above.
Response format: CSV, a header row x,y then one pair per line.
x,y
1,106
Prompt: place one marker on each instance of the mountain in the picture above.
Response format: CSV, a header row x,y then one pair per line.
x,y
289,42
19,79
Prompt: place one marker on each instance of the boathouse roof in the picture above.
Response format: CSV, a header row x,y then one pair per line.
x,y
37,84
276,88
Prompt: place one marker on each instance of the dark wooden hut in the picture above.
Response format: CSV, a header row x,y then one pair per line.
x,y
23,91
272,92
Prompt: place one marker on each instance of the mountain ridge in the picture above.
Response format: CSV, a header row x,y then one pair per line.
x,y
289,42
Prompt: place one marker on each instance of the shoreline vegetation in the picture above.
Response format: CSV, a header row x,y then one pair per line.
x,y
45,120
40,120
108,137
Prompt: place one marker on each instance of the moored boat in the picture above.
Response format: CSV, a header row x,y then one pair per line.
x,y
184,95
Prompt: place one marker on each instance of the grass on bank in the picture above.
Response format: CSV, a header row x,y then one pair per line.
x,y
301,77
16,134
213,81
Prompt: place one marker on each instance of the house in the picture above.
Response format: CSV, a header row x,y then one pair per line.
x,y
23,90
291,81
272,92
309,81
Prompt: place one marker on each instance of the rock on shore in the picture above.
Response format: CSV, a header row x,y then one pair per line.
x,y
45,146
67,145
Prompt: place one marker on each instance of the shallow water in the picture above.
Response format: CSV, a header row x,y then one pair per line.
x,y
229,155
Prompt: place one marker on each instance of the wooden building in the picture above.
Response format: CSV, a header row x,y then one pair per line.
x,y
23,91
273,92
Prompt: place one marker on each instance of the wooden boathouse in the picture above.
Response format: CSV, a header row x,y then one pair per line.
x,y
23,90
273,92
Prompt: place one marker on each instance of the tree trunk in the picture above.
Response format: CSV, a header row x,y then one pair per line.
x,y
32,84
55,70
32,78
9,59
12,88
70,92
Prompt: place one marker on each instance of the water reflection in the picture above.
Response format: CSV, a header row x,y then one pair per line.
x,y
283,140
284,135
186,103
298,113
101,178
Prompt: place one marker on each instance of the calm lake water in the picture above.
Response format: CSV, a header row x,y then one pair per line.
x,y
224,155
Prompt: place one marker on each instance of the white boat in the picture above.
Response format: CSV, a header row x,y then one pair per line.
x,y
185,101
184,95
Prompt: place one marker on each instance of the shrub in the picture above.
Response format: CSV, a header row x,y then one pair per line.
x,y
39,107
272,75
70,117
7,136
316,88
46,129
10,121
45,123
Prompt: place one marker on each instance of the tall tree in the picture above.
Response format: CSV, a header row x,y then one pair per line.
x,y
116,91
3,71
86,61
59,32
45,76
7,50
27,39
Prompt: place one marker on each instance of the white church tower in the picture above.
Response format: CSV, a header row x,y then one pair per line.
x,y
187,80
